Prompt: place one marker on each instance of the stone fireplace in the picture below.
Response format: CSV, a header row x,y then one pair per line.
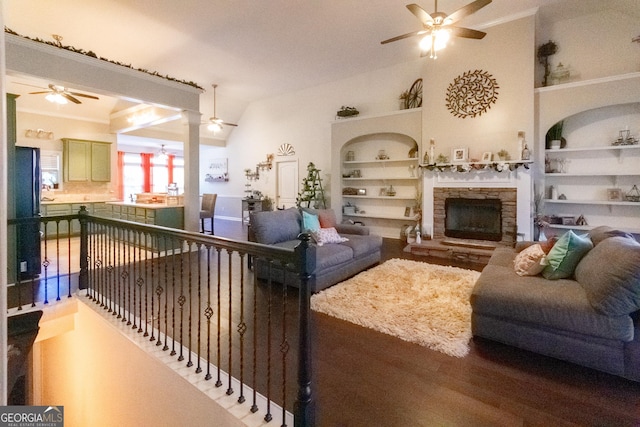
x,y
475,214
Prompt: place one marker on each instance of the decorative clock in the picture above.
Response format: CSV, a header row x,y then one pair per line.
x,y
472,94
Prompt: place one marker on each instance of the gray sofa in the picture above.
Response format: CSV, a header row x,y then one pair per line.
x,y
335,262
591,318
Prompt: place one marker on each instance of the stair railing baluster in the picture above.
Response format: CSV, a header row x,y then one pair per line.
x,y
173,297
200,246
181,301
284,347
254,374
208,312
189,333
242,328
230,322
165,347
151,290
219,322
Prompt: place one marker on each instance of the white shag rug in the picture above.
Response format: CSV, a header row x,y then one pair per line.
x,y
418,302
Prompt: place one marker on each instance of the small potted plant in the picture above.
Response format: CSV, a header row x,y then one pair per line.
x,y
347,111
404,99
554,135
544,52
503,154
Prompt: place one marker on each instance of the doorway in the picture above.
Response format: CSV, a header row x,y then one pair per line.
x,y
286,183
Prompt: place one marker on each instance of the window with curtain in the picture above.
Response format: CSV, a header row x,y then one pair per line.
x,y
132,175
148,173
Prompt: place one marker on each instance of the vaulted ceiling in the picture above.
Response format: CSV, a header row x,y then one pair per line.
x,y
255,49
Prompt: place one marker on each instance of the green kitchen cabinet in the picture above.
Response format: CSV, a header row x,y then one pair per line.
x,y
100,161
86,161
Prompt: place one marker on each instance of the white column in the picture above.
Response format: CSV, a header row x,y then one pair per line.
x,y
191,170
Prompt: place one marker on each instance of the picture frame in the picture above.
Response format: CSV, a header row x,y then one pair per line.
x,y
459,155
614,194
487,156
218,171
407,211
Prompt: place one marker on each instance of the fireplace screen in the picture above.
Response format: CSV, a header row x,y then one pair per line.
x,y
479,219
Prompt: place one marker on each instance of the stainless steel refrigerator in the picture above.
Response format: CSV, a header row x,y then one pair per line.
x,y
27,202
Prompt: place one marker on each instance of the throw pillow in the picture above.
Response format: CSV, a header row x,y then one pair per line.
x,y
610,276
327,218
327,235
565,255
530,262
310,222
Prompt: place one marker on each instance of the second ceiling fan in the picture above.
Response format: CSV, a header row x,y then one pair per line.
x,y
214,123
60,95
438,26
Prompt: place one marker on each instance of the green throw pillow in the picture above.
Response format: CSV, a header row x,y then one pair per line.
x,y
310,222
565,255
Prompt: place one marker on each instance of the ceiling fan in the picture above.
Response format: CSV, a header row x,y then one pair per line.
x,y
60,95
438,26
215,124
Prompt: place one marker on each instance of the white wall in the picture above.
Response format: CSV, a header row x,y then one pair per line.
x,y
303,119
593,46
85,369
505,53
63,127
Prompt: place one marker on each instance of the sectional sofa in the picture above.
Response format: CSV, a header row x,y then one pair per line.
x,y
589,314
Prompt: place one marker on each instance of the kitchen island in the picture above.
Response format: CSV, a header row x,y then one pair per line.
x,y
171,216
162,214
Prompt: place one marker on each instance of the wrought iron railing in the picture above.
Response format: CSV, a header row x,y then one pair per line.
x,y
193,294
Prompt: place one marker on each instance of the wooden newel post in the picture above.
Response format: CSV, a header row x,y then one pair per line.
x,y
83,278
304,409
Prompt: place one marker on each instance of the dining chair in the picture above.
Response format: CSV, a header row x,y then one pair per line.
x,y
208,209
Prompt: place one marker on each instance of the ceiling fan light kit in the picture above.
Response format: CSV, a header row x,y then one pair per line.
x,y
438,27
214,124
61,95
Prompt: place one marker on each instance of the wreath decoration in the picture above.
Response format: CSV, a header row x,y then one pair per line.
x,y
472,94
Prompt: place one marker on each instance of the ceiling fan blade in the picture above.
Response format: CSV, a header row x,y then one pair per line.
x,y
420,13
467,32
84,95
228,124
71,98
38,93
27,84
404,36
467,10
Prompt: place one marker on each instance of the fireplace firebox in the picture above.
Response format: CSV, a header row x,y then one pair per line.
x,y
478,219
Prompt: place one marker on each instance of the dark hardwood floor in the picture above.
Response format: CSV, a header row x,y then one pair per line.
x,y
365,378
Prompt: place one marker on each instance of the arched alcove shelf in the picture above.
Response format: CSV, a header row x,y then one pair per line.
x,y
592,173
375,170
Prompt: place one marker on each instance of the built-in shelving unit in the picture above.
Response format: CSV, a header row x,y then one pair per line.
x,y
380,181
374,182
590,179
590,174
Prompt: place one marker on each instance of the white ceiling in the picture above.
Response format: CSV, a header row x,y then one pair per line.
x,y
251,49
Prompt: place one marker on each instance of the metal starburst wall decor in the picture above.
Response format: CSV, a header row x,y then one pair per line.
x,y
472,94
